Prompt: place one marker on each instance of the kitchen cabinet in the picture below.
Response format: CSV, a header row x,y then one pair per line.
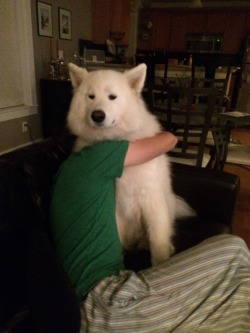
x,y
247,22
179,29
231,24
100,20
233,38
171,26
154,30
197,22
146,26
162,30
216,22
110,15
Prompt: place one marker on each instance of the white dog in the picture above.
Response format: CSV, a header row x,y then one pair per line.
x,y
107,105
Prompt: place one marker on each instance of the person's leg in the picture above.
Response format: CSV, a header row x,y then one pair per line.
x,y
204,289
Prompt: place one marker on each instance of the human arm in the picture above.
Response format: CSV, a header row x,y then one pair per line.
x,y
144,150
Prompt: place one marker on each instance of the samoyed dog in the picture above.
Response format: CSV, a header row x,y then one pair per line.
x,y
107,105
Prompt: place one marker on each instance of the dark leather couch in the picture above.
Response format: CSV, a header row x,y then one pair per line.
x,y
35,293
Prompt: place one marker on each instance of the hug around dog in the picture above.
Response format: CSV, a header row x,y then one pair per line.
x,y
107,105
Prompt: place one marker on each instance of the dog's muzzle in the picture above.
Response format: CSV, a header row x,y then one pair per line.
x,y
98,116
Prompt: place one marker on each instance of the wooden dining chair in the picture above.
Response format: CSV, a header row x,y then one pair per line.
x,y
189,113
218,134
220,84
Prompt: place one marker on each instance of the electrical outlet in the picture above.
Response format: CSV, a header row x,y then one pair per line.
x,y
25,126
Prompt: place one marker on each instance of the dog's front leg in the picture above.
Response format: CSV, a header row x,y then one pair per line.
x,y
160,230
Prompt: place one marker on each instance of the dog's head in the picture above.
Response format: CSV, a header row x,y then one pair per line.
x,y
105,102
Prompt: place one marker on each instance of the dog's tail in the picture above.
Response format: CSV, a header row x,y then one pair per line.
x,y
182,208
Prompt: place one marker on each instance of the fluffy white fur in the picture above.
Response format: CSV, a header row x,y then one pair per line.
x,y
146,204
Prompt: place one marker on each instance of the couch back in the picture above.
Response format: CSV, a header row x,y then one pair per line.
x,y
30,270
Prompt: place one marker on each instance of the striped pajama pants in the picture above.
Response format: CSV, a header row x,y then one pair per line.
x,y
204,289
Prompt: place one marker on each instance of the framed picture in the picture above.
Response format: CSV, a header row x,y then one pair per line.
x,y
64,23
44,19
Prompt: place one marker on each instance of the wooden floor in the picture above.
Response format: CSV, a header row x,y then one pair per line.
x,y
241,225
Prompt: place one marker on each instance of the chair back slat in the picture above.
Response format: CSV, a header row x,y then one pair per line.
x,y
189,113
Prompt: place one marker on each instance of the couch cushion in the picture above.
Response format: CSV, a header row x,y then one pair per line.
x,y
54,306
16,219
212,194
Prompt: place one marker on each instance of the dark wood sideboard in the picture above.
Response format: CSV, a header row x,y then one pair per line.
x,y
56,96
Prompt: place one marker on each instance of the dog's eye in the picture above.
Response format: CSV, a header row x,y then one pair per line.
x,y
112,97
91,96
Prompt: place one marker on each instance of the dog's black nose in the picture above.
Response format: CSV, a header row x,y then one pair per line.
x,y
98,116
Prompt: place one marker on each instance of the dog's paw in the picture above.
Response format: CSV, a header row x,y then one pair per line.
x,y
161,255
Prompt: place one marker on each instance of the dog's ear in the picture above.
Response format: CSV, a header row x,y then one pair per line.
x,y
77,74
136,77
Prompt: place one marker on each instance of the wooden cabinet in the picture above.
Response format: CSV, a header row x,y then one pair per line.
x,y
100,20
171,26
179,28
146,26
162,30
197,22
233,38
110,15
216,22
247,22
231,24
120,16
56,96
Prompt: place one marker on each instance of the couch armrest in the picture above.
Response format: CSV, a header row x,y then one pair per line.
x,y
212,194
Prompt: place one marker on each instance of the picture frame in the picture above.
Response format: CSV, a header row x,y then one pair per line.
x,y
44,19
64,24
